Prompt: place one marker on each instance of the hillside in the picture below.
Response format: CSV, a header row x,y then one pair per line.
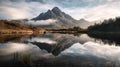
x,y
4,24
111,25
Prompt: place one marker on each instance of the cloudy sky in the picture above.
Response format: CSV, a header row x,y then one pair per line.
x,y
91,10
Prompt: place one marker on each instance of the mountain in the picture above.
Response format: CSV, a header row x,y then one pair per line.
x,y
84,23
63,19
63,42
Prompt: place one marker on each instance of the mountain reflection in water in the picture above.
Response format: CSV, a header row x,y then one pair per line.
x,y
56,49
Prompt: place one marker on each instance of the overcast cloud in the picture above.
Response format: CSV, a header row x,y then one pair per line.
x,y
91,10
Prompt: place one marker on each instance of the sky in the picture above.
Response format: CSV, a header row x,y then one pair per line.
x,y
91,10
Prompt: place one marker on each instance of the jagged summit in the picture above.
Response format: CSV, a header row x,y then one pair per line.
x,y
63,19
50,14
56,9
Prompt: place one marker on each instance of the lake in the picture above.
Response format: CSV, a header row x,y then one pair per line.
x,y
59,50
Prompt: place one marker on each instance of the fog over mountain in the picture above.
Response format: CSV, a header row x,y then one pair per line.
x,y
63,20
90,10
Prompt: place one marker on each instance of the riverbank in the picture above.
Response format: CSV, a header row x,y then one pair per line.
x,y
20,31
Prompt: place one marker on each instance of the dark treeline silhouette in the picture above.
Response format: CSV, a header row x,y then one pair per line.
x,y
111,25
108,31
75,28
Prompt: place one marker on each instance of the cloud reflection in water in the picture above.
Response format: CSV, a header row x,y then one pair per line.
x,y
108,52
22,48
42,40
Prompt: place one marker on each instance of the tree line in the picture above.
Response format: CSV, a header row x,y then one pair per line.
x,y
111,25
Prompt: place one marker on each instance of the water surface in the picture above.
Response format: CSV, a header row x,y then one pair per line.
x,y
57,50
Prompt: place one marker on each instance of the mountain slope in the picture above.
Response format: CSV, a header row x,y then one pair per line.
x,y
4,24
84,23
63,19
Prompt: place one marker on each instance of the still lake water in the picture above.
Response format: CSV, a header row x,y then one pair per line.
x,y
55,48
